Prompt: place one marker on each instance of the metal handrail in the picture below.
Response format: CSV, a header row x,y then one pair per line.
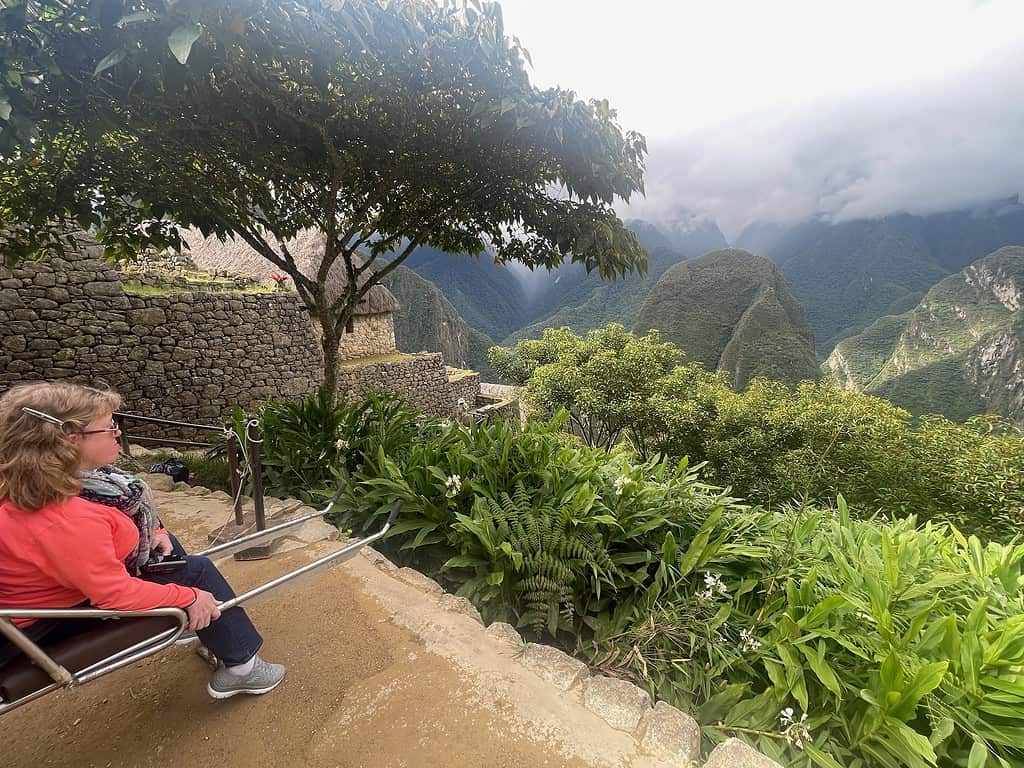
x,y
169,422
252,539
232,445
63,677
333,558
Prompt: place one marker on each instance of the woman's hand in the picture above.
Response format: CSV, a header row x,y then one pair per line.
x,y
203,610
162,543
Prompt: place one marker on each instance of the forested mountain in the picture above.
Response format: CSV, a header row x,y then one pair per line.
x,y
958,352
426,321
733,311
486,295
572,297
848,275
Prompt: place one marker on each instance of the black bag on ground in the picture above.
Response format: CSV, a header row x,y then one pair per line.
x,y
176,468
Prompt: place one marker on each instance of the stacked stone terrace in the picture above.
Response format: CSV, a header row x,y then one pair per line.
x,y
187,348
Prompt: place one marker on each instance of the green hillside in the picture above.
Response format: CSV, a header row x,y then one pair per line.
x,y
848,275
955,353
426,321
583,302
733,311
487,296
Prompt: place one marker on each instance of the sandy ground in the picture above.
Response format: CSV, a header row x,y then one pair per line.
x,y
378,675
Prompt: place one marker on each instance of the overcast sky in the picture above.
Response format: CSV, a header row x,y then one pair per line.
x,y
777,111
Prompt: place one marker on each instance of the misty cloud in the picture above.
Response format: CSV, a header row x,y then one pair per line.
x,y
918,147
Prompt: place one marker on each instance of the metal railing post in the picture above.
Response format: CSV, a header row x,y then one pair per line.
x,y
233,475
123,437
254,439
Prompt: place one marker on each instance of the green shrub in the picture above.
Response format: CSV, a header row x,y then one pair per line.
x,y
309,444
902,646
771,444
822,638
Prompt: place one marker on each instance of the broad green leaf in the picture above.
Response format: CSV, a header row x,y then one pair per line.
x,y
182,39
820,667
464,561
925,680
820,758
112,59
821,611
942,730
978,756
700,541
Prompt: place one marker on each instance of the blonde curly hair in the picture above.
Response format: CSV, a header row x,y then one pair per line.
x,y
38,464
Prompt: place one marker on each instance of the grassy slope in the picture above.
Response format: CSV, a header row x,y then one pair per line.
x,y
938,387
866,353
852,275
849,274
583,301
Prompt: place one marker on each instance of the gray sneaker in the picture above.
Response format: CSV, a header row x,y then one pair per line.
x,y
264,678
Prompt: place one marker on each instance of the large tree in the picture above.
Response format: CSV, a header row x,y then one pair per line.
x,y
384,125
609,382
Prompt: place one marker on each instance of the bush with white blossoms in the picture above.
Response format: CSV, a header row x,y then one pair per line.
x,y
795,731
713,587
452,486
747,641
822,639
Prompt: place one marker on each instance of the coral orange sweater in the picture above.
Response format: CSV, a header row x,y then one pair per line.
x,y
68,553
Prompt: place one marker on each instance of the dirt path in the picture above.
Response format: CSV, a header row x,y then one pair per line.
x,y
379,674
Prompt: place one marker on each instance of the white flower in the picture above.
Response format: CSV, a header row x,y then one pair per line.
x,y
341,444
749,642
713,585
452,486
795,731
621,483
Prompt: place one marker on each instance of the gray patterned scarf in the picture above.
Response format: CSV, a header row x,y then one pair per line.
x,y
116,488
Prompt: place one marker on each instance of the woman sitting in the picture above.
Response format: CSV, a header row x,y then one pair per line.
x,y
62,550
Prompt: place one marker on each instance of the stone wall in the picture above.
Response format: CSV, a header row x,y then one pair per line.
x,y
465,386
370,335
420,378
183,355
189,356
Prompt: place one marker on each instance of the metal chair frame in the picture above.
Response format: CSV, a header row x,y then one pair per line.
x,y
63,678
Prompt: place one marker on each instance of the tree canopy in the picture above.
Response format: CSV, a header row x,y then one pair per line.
x,y
607,381
384,125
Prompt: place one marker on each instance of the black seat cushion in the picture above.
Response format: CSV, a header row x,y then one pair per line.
x,y
21,677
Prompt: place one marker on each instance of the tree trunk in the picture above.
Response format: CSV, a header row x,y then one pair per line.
x,y
329,342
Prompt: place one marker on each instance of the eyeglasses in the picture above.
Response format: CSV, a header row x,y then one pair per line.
x,y
112,428
54,420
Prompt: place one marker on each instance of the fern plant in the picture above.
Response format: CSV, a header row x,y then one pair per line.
x,y
535,557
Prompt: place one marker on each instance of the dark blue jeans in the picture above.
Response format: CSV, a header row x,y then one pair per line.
x,y
232,638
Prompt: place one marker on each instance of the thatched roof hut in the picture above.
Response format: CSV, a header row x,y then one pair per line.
x,y
237,256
